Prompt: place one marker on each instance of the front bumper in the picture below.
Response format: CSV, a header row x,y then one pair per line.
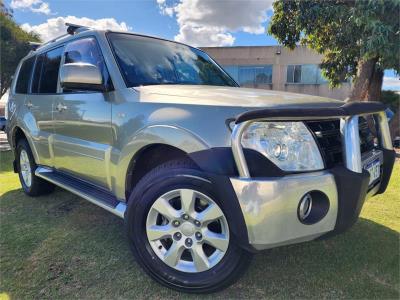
x,y
270,205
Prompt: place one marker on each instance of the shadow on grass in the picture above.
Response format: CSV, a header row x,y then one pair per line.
x,y
362,263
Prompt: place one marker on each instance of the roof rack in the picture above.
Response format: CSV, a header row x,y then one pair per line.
x,y
34,45
75,28
71,30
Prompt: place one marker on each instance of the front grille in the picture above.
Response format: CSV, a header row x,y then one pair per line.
x,y
327,134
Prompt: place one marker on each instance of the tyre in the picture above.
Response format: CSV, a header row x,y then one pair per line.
x,y
178,232
31,184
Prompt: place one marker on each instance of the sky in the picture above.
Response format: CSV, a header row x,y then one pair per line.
x,y
195,22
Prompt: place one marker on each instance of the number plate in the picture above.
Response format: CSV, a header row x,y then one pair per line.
x,y
374,169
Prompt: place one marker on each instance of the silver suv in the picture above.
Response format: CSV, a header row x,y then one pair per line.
x,y
203,172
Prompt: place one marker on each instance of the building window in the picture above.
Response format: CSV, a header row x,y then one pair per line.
x,y
294,74
251,75
305,74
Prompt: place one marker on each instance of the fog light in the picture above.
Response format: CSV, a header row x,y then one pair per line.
x,y
305,207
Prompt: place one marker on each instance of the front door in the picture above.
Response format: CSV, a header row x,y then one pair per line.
x,y
82,122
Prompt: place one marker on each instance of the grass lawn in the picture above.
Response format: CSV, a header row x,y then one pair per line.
x,y
60,246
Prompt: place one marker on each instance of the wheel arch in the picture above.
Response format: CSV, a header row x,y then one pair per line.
x,y
148,158
175,142
18,133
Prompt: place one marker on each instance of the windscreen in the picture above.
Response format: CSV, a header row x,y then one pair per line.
x,y
151,61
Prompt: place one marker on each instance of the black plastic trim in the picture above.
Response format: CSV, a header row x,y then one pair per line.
x,y
225,192
84,187
15,166
352,190
389,157
320,207
348,109
220,161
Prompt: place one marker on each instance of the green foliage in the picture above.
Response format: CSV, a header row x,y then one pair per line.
x,y
14,46
344,31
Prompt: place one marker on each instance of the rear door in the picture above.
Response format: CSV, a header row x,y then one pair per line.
x,y
82,122
18,95
40,100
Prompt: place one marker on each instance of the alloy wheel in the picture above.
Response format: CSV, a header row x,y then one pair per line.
x,y
25,168
187,230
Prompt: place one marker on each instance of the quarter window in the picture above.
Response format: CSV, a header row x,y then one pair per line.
x,y
24,76
45,77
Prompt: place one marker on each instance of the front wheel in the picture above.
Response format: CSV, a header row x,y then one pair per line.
x,y
179,232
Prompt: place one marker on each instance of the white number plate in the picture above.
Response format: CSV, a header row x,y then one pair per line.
x,y
374,169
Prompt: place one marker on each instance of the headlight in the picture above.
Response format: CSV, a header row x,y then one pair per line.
x,y
289,145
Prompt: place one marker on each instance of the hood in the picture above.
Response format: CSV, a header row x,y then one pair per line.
x,y
229,96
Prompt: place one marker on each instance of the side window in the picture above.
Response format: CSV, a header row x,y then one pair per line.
x,y
45,76
24,76
86,50
37,73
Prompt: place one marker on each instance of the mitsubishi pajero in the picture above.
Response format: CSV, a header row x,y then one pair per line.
x,y
203,172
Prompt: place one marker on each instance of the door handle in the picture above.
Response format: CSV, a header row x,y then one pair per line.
x,y
60,107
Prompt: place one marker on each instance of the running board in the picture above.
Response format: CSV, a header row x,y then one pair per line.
x,y
88,191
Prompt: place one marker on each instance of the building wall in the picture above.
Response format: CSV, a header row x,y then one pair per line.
x,y
279,58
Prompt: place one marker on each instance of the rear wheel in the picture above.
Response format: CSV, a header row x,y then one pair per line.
x,y
31,184
180,233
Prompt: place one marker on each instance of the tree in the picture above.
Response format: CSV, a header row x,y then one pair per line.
x,y
359,39
14,46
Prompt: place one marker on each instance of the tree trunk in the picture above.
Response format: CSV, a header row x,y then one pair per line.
x,y
368,82
368,87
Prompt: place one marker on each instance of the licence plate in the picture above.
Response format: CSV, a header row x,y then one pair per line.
x,y
374,169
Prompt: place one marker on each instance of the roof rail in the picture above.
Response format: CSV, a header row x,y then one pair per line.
x,y
71,30
75,28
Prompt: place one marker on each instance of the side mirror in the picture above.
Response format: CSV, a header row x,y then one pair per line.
x,y
81,76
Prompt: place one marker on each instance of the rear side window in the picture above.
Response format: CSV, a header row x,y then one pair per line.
x,y
24,76
45,76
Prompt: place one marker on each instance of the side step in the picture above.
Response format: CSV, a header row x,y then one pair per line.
x,y
83,189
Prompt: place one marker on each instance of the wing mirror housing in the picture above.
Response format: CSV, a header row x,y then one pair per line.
x,y
81,76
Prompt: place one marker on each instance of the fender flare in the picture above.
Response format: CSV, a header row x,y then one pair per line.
x,y
154,134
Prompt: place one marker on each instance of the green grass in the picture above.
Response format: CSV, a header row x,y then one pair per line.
x,y
60,246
